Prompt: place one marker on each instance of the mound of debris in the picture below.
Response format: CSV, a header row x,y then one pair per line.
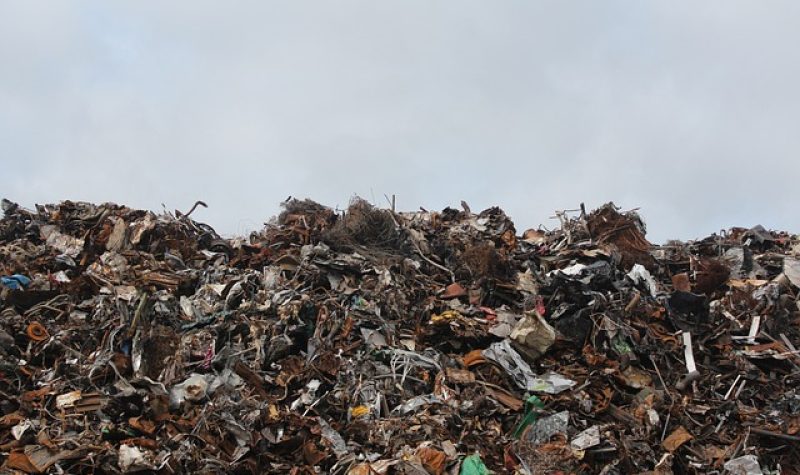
x,y
375,342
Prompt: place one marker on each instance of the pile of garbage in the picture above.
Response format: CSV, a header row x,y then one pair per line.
x,y
369,341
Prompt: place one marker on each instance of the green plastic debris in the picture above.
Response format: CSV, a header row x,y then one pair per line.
x,y
473,465
531,405
621,346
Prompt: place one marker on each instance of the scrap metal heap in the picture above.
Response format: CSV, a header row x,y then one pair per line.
x,y
375,342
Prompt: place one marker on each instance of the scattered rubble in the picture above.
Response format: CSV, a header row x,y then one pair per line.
x,y
375,342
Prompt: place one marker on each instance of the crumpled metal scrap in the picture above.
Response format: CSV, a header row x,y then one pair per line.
x,y
375,341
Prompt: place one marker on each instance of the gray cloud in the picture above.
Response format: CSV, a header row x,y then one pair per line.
x,y
687,111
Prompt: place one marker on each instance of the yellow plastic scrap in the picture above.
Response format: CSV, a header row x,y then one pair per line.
x,y
359,411
274,413
445,316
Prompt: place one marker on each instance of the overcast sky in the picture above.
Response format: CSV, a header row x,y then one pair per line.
x,y
687,110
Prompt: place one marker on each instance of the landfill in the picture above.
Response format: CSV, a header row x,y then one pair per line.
x,y
368,341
